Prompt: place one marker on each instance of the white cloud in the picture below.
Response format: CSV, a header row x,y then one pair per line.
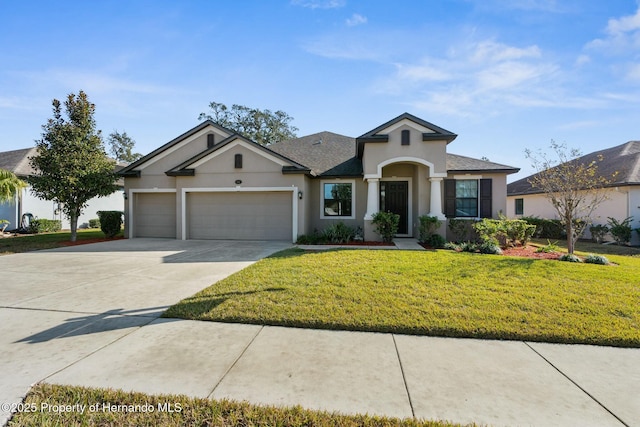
x,y
319,4
492,51
422,72
356,19
582,60
622,35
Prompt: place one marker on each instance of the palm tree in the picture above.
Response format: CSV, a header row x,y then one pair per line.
x,y
10,184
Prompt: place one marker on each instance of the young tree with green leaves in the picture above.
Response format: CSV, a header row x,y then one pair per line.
x,y
72,166
262,126
122,147
10,184
572,185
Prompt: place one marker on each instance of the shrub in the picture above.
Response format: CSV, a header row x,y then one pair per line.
x,y
314,238
490,231
435,241
620,230
596,259
428,226
110,222
546,228
462,229
45,226
570,258
94,223
469,247
598,232
386,224
549,247
453,246
504,232
489,248
339,233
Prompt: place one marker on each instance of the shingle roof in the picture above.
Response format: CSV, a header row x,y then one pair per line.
x,y
457,163
325,153
623,159
17,161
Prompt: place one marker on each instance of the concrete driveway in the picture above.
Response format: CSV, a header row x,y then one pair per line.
x,y
59,306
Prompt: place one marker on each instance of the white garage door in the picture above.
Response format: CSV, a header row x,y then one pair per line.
x,y
154,215
242,215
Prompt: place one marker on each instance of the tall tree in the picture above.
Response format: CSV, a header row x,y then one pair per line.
x,y
122,147
572,185
72,166
262,126
10,184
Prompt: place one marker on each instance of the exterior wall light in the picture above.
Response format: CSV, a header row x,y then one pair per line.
x,y
300,195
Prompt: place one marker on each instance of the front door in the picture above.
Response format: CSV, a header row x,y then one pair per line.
x,y
394,197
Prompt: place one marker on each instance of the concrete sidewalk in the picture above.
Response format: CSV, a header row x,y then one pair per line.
x,y
89,316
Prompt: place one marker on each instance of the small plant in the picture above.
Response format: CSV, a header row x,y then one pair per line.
x,y
453,246
435,241
620,230
3,225
428,227
386,224
94,223
548,248
469,247
570,258
339,233
596,259
598,232
110,222
489,248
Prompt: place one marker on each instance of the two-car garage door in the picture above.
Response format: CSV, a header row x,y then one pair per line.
x,y
265,215
260,215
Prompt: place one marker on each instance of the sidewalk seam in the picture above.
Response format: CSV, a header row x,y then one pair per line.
x,y
404,378
235,362
576,384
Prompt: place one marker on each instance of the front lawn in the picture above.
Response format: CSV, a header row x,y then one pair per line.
x,y
45,405
440,293
35,242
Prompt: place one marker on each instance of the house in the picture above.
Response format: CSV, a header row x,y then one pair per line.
x,y
17,161
623,193
210,183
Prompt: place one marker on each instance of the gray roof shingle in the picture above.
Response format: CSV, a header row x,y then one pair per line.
x,y
17,161
623,159
457,163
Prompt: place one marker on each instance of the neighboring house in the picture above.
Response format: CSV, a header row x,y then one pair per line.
x,y
210,183
623,193
17,161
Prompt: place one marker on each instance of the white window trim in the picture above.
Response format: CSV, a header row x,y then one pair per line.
x,y
294,203
353,198
132,191
470,178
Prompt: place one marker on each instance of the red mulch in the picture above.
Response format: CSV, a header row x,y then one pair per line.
x,y
87,241
354,243
530,252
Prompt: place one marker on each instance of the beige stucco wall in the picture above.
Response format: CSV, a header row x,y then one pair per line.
x,y
317,222
622,202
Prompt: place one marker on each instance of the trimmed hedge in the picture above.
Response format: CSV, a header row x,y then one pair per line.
x,y
110,222
45,226
94,223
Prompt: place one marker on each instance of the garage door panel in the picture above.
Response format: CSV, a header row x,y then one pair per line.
x,y
155,215
244,215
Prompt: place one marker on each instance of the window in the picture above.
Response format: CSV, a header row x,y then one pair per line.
x,y
519,206
337,199
238,161
468,198
406,137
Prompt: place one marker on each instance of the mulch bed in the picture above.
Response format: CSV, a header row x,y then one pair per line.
x,y
87,241
530,252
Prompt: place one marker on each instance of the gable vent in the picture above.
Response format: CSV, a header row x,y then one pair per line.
x,y
406,137
210,140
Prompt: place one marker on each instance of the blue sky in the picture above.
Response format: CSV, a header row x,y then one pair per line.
x,y
505,75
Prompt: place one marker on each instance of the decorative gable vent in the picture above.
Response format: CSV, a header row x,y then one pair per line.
x,y
238,161
210,140
405,137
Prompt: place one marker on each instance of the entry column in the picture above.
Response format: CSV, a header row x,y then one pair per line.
x,y
436,198
373,198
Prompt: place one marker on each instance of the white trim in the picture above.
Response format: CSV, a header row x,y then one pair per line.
x,y
353,197
468,176
178,146
409,180
132,191
235,143
407,159
294,202
405,122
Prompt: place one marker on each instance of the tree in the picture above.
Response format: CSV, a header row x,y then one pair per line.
x,y
72,166
262,126
573,186
122,147
10,184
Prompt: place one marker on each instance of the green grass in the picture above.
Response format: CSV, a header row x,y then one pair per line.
x,y
584,247
18,244
439,293
188,411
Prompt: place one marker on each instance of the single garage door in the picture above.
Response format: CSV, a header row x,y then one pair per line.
x,y
154,215
240,215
